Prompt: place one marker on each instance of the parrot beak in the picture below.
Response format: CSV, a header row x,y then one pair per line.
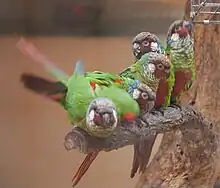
x,y
167,71
101,118
183,32
188,25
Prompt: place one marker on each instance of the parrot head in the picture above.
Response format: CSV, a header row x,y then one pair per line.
x,y
143,94
179,29
101,118
156,65
145,42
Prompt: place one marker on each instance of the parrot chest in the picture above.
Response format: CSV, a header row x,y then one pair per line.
x,y
182,76
162,92
182,54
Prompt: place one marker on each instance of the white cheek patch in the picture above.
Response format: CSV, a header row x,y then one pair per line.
x,y
175,37
136,94
151,67
90,117
135,45
154,46
116,119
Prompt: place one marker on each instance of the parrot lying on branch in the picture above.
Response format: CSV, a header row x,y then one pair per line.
x,y
95,101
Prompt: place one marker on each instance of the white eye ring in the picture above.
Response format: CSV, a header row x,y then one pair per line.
x,y
144,95
151,67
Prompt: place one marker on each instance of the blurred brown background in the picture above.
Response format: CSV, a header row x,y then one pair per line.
x,y
31,128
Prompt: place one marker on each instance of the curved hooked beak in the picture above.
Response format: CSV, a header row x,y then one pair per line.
x,y
167,71
188,25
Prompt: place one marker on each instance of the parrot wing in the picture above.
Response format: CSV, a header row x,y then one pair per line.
x,y
104,79
127,73
125,105
80,93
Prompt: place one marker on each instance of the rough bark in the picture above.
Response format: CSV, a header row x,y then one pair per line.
x,y
128,132
189,153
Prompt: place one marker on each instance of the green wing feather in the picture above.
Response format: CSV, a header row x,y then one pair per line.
x,y
123,101
104,79
79,96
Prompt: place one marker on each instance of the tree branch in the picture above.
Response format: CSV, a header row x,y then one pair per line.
x,y
128,133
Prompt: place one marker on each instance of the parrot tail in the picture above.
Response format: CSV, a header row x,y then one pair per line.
x,y
32,52
142,153
50,89
84,167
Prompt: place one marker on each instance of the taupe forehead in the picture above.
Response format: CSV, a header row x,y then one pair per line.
x,y
143,35
159,58
174,25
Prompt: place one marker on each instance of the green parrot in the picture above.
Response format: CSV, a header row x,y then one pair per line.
x,y
180,50
105,84
81,97
153,69
94,108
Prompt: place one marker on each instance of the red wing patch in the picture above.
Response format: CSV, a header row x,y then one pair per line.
x,y
129,116
93,85
118,81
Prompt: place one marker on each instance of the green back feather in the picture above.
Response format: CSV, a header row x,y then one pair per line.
x,y
123,101
181,54
79,96
171,82
140,71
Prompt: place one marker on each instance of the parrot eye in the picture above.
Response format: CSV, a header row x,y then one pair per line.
x,y
144,95
145,43
160,66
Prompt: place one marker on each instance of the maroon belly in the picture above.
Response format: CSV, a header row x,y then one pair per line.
x,y
181,79
162,92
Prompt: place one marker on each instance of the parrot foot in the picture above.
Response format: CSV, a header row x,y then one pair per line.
x,y
157,110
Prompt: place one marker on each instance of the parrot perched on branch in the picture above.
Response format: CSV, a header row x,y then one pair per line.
x,y
153,69
145,42
180,50
106,84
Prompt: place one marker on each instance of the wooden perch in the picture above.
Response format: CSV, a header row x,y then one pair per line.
x,y
129,132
